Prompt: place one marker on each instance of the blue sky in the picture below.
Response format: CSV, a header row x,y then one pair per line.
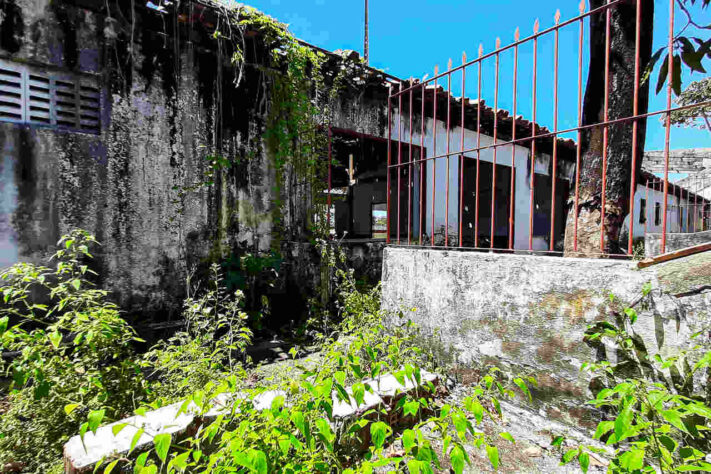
x,y
409,37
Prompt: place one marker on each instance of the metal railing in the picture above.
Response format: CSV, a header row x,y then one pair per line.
x,y
413,168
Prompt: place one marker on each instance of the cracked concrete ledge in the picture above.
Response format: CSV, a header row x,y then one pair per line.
x,y
82,456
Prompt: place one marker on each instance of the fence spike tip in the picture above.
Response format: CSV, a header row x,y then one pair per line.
x,y
498,43
464,57
557,16
517,34
436,69
536,26
582,6
449,64
481,49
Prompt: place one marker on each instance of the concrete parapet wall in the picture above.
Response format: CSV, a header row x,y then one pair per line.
x,y
531,312
653,242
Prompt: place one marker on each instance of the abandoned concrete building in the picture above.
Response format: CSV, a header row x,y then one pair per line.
x,y
173,134
109,118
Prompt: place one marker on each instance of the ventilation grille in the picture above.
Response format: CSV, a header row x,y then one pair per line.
x,y
31,96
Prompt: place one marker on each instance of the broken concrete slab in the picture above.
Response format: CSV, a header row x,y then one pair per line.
x,y
82,456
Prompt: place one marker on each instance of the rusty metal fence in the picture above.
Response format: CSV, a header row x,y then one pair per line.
x,y
408,166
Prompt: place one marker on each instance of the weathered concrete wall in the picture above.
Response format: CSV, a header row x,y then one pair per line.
x,y
653,242
168,104
531,312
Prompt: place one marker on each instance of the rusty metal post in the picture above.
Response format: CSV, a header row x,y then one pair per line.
x,y
461,146
423,162
399,159
533,136
447,135
554,177
606,130
667,134
478,152
512,187
635,123
578,148
434,154
390,133
496,122
409,176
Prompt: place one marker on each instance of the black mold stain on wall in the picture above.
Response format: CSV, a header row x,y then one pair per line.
x,y
12,27
66,19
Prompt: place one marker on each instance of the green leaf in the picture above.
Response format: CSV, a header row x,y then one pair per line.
x,y
569,456
3,324
162,445
522,385
116,429
411,408
674,418
476,408
258,461
507,437
378,433
180,461
493,453
95,418
457,457
623,422
68,409
55,338
359,393
702,466
141,461
408,440
134,440
111,467
584,460
602,428
558,441
632,460
76,283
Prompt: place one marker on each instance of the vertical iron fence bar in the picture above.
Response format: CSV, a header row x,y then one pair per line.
x,y
409,175
554,176
399,158
423,163
635,123
461,156
533,138
606,130
646,210
434,153
496,123
478,152
696,202
667,132
578,148
512,187
447,135
390,136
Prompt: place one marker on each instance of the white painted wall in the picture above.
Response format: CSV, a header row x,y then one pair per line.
x,y
522,158
503,157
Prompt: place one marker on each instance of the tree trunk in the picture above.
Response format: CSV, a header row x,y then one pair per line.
x,y
619,150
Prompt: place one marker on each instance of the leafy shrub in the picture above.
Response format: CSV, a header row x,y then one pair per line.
x,y
211,345
658,422
299,433
73,356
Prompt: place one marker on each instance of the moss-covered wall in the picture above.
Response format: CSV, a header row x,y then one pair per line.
x,y
530,313
169,102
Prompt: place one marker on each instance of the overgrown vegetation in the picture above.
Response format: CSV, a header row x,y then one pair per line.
x,y
74,369
658,407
